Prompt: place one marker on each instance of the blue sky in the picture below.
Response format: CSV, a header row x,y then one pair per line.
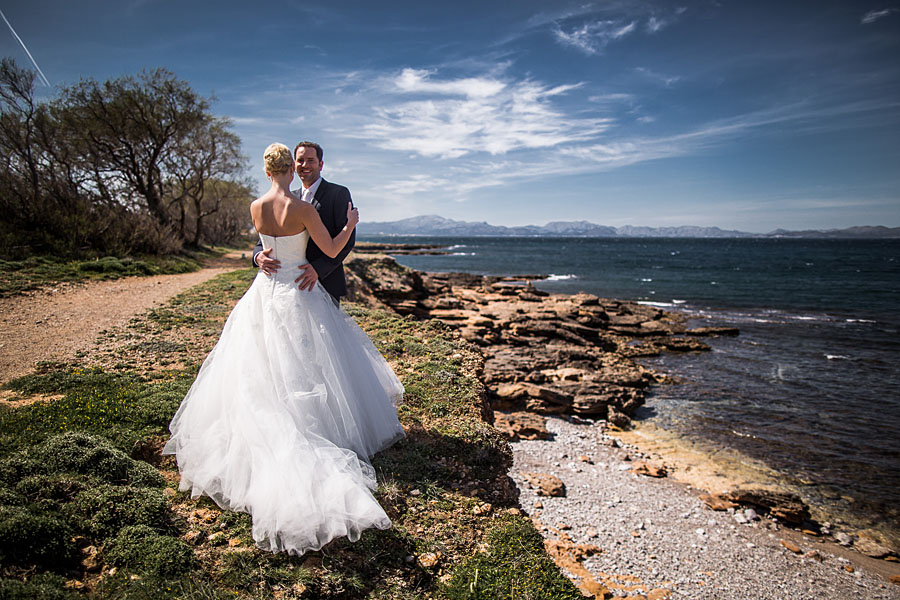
x,y
743,115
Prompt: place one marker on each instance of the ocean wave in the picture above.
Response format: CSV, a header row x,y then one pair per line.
x,y
646,279
555,277
457,246
837,357
462,254
861,321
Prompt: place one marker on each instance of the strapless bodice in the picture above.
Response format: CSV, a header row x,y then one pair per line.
x,y
289,249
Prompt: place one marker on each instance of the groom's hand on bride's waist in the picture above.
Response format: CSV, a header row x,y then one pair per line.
x,y
308,277
267,264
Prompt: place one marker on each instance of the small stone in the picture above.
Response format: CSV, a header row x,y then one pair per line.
x,y
234,542
415,493
849,569
740,518
814,555
895,579
539,505
429,559
843,539
649,470
751,515
513,511
586,459
564,526
546,484
482,509
791,546
591,532
90,562
700,531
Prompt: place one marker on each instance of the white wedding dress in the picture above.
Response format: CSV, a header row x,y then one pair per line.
x,y
285,413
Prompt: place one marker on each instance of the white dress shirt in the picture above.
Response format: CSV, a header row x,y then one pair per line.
x,y
307,194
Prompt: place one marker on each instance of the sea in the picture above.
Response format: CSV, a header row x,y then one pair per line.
x,y
811,386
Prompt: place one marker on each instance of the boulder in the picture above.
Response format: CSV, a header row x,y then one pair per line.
x,y
718,502
867,544
618,419
521,425
784,506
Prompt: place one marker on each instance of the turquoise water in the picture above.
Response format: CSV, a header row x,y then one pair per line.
x,y
810,386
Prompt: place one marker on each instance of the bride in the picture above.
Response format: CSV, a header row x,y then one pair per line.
x,y
293,400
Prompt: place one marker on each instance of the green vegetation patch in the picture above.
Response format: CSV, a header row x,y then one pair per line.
x,y
122,407
514,566
17,276
45,586
142,549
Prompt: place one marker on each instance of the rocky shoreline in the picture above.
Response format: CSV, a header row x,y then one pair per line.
x,y
572,359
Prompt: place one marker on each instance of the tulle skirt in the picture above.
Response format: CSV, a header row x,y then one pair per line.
x,y
283,417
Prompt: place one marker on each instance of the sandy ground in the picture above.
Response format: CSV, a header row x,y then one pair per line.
x,y
53,324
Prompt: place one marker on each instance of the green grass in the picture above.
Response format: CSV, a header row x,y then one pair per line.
x,y
17,276
70,479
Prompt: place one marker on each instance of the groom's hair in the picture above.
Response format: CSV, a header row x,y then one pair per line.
x,y
313,145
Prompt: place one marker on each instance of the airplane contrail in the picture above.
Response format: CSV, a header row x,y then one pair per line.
x,y
43,79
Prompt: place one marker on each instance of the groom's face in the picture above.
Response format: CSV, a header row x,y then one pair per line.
x,y
308,165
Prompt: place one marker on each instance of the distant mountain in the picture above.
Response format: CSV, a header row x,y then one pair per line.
x,y
692,231
434,225
864,232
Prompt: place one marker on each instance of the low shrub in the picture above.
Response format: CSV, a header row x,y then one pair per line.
x,y
515,565
143,550
77,453
28,539
45,586
102,511
49,492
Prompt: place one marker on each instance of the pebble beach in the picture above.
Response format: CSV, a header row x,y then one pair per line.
x,y
657,539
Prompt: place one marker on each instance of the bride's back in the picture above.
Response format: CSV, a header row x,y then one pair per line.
x,y
277,214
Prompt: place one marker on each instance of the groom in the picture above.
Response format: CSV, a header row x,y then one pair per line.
x,y
331,201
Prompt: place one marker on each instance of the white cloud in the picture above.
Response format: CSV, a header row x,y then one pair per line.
x,y
666,80
457,117
654,24
418,81
874,15
592,38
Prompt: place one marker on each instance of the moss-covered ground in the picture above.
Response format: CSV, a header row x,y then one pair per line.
x,y
18,276
90,508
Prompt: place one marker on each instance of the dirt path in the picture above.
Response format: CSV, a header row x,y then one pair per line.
x,y
53,324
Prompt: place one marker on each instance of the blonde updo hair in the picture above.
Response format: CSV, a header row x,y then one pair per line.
x,y
278,159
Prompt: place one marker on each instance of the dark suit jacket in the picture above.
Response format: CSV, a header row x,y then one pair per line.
x,y
331,201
